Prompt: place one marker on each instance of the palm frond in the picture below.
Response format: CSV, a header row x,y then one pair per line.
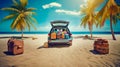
x,y
28,20
104,17
15,22
10,9
94,20
32,19
28,24
118,16
30,9
21,24
100,13
23,2
29,13
115,20
92,4
15,3
11,16
84,21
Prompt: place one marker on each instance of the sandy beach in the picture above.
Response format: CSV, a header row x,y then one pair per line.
x,y
78,55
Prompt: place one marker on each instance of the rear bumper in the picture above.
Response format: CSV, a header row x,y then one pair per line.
x,y
60,41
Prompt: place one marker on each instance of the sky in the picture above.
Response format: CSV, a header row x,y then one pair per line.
x,y
50,10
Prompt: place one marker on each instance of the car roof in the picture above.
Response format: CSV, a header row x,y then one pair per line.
x,y
58,23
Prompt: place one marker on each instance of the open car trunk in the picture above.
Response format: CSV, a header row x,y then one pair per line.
x,y
58,35
59,30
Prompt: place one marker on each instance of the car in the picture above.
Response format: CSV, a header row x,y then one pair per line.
x,y
60,33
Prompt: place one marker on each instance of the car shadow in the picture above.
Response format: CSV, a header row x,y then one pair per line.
x,y
58,45
54,46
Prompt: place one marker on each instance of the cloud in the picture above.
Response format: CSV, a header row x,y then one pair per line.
x,y
50,5
85,1
83,5
68,12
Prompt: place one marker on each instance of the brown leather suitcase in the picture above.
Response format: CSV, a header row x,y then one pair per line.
x,y
101,46
15,46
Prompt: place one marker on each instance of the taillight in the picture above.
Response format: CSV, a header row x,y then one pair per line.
x,y
70,40
49,34
70,34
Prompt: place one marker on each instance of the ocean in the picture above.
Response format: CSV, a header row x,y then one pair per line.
x,y
48,32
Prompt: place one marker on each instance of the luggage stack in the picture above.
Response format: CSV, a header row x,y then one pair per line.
x,y
59,35
15,46
101,46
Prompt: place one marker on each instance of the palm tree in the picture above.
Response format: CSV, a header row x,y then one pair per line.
x,y
110,10
21,15
89,20
88,13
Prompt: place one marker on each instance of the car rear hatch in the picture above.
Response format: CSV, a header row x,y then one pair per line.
x,y
59,23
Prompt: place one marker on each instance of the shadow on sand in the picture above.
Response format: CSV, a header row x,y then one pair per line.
x,y
40,47
54,46
94,52
8,53
17,37
58,45
86,37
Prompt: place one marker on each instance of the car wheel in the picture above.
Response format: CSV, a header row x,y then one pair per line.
x,y
46,45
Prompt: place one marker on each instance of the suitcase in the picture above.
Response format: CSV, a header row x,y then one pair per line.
x,y
53,35
101,46
15,46
59,36
63,35
67,36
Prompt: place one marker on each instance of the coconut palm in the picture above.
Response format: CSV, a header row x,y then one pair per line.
x,y
89,20
21,15
88,13
110,10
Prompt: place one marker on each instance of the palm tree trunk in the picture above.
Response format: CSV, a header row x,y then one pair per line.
x,y
111,19
22,34
91,33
